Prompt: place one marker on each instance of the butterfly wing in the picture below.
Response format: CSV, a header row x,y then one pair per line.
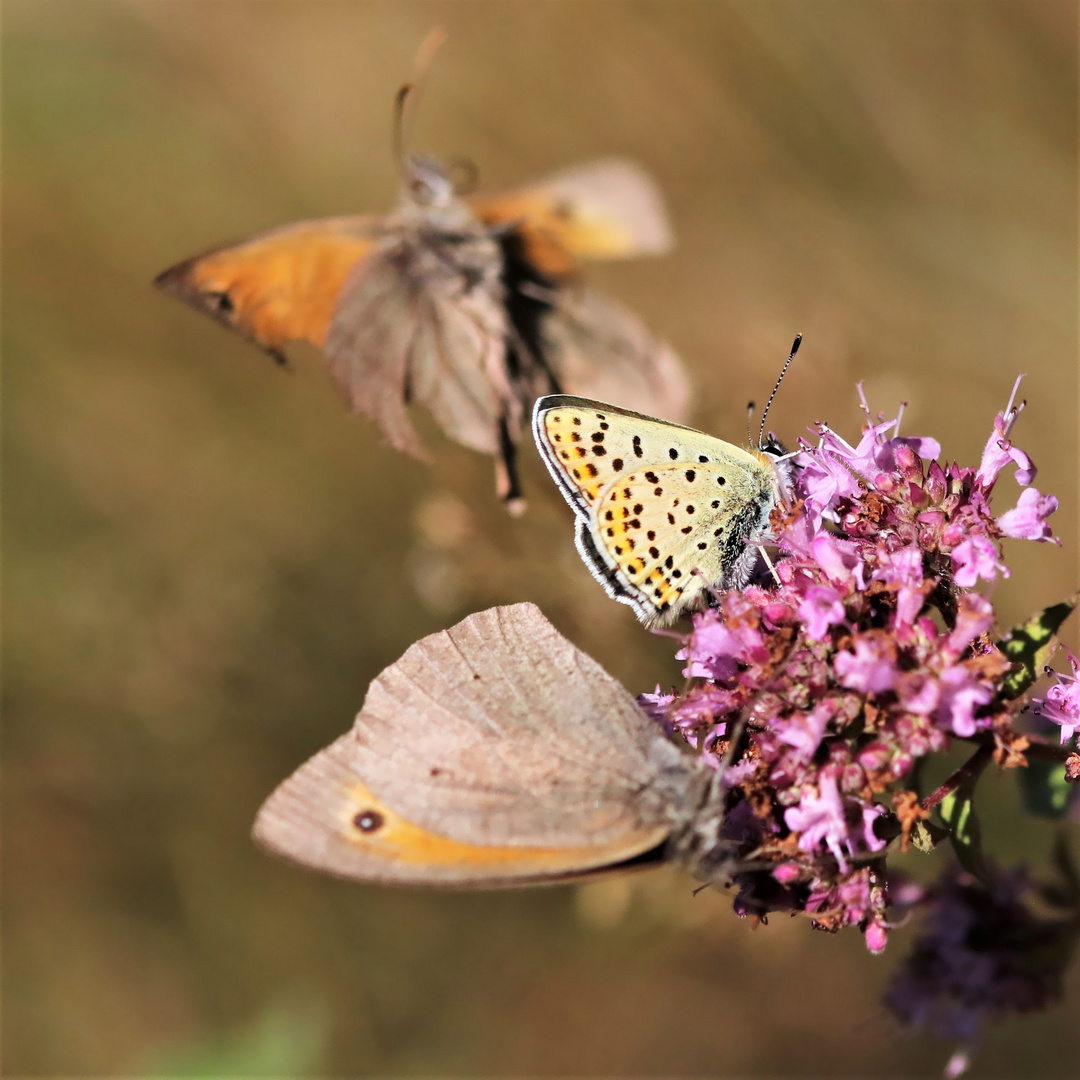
x,y
491,753
419,323
599,350
609,209
664,512
279,285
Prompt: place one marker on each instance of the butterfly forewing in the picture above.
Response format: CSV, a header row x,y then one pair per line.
x,y
665,511
491,753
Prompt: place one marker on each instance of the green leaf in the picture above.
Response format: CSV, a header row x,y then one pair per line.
x,y
1029,647
1045,790
958,813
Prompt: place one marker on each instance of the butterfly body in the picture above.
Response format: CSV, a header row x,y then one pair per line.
x,y
469,307
493,754
664,513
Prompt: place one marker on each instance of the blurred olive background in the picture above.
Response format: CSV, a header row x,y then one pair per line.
x,y
207,559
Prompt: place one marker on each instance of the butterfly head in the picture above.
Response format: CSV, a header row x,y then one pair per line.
x,y
427,184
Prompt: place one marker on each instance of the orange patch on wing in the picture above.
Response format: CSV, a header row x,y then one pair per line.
x,y
556,233
281,287
397,840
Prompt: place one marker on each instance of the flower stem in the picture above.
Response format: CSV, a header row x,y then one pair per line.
x,y
971,768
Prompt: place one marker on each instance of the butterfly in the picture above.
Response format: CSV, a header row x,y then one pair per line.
x,y
496,753
468,307
664,513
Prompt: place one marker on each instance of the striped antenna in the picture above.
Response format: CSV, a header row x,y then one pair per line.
x,y
783,372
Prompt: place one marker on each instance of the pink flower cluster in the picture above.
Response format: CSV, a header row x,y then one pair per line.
x,y
820,686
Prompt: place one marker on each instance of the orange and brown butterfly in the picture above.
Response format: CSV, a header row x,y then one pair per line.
x,y
492,754
468,306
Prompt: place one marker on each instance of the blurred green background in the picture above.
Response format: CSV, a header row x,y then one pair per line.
x,y
207,560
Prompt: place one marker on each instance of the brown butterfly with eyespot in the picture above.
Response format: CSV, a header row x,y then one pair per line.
x,y
496,754
468,306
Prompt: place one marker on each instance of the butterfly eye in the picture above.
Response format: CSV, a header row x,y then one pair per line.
x,y
369,821
221,302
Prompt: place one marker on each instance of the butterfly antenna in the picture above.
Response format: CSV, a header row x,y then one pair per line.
x,y
783,372
399,125
421,64
749,423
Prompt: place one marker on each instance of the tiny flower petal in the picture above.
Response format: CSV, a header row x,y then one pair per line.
x,y
870,669
1027,520
821,608
1062,702
975,558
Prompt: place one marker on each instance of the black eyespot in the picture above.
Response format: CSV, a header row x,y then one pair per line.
x,y
617,464
702,458
599,451
654,552
688,529
597,436
368,821
721,480
576,436
577,420
603,427
638,508
592,469
652,478
690,474
222,302
651,535
715,504
702,546
638,452
689,509
676,573
669,562
671,519
608,515
658,491
673,453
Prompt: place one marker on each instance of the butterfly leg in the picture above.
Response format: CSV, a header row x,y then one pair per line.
x,y
507,481
769,563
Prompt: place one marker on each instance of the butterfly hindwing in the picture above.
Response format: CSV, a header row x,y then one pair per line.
x,y
665,512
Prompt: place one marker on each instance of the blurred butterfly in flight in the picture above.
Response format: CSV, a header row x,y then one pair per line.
x,y
492,754
469,307
664,514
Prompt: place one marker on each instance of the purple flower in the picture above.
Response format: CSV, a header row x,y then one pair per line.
x,y
871,668
982,954
655,706
975,558
821,818
804,731
999,451
821,608
961,695
1027,520
870,652
1062,702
